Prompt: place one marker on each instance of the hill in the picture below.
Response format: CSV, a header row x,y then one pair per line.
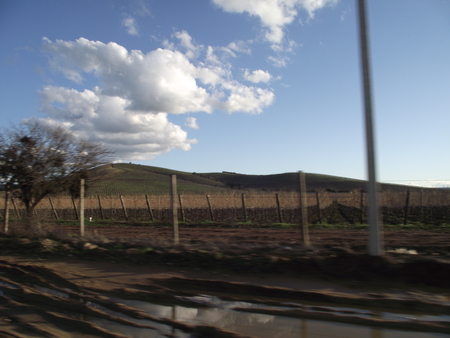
x,y
135,179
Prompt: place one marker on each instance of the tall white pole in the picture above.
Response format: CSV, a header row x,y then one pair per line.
x,y
375,235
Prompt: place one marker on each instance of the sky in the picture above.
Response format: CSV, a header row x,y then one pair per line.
x,y
248,86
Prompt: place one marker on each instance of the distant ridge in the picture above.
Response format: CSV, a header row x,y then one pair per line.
x,y
136,179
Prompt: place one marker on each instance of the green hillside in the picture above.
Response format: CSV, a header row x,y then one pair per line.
x,y
135,179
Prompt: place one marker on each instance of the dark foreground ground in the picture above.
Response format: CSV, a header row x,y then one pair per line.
x,y
61,285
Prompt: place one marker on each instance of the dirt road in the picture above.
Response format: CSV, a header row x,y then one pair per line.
x,y
223,283
76,298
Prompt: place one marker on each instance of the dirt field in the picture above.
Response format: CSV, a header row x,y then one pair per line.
x,y
224,282
423,241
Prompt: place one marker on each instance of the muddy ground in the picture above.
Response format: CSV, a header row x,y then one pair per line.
x,y
435,241
56,285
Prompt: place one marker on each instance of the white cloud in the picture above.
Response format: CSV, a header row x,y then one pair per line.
x,y
239,47
137,92
279,61
273,14
257,76
191,122
140,8
131,25
186,42
105,119
250,99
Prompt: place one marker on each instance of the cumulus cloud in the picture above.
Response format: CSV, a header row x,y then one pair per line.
x,y
257,76
136,93
191,122
273,14
130,24
105,119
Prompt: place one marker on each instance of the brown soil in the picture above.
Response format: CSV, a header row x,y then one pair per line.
x,y
423,241
264,266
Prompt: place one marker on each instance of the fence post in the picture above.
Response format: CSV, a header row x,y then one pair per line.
x,y
53,208
36,214
75,209
173,190
319,212
405,221
6,219
124,208
244,208
422,218
148,207
82,207
102,215
15,208
280,214
361,207
183,219
210,208
304,209
448,207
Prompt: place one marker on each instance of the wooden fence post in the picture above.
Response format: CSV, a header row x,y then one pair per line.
x,y
304,209
244,208
319,211
149,208
210,208
183,219
124,208
82,207
280,214
36,215
361,207
405,221
173,190
53,208
102,215
6,218
421,206
15,208
448,207
75,209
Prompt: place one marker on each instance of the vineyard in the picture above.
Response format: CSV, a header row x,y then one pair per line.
x,y
424,207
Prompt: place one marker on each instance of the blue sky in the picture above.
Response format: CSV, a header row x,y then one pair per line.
x,y
249,86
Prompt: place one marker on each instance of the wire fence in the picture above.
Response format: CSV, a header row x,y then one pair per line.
x,y
430,207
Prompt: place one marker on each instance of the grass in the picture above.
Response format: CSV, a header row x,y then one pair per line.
x,y
253,225
134,179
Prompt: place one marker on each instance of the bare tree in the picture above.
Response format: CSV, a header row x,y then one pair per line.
x,y
38,160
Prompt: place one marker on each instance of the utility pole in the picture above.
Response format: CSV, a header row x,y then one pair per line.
x,y
375,235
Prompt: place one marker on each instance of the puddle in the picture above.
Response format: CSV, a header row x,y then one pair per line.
x,y
10,286
398,316
51,292
216,312
157,330
213,301
6,285
213,311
